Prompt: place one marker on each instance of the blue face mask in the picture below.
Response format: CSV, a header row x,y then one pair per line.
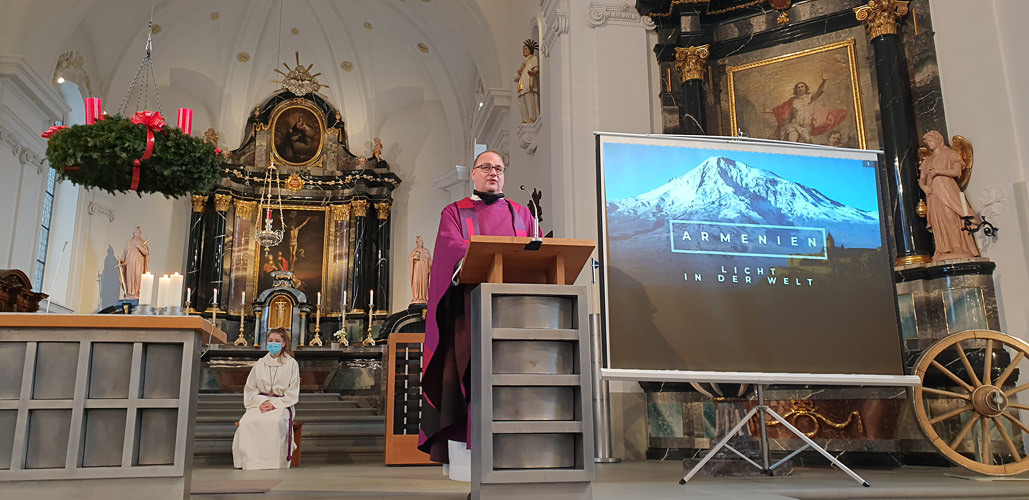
x,y
274,347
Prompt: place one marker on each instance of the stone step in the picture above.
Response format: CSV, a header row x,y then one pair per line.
x,y
307,419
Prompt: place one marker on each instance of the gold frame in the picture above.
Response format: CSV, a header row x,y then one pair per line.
x,y
316,160
855,86
256,247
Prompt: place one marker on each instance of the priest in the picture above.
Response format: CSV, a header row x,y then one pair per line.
x,y
446,381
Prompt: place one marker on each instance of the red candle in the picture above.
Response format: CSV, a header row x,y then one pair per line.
x,y
186,120
269,213
93,110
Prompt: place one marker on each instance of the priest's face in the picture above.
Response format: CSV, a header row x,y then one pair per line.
x,y
488,173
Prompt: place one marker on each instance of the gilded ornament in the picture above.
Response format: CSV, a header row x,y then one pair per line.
x,y
383,210
294,183
243,57
245,209
360,208
880,16
211,136
347,66
783,18
222,202
424,48
299,80
199,202
805,409
340,213
691,62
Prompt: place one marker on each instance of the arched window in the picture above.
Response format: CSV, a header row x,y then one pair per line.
x,y
57,224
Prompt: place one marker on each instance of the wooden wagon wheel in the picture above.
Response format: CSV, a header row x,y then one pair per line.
x,y
970,412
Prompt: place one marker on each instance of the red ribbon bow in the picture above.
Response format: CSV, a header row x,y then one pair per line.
x,y
52,130
154,122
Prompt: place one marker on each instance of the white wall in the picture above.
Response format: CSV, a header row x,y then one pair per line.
x,y
983,76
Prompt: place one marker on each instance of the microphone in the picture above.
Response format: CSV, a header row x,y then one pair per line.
x,y
536,242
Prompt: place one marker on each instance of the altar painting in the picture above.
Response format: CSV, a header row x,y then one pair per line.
x,y
302,250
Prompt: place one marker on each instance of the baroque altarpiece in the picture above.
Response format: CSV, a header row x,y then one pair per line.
x,y
295,168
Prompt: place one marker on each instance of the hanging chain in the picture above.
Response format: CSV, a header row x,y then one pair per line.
x,y
143,97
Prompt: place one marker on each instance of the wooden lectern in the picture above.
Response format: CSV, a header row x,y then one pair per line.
x,y
504,259
531,424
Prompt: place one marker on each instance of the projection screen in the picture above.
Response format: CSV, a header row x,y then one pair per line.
x,y
727,255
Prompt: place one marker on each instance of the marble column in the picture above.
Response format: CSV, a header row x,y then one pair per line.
x,y
216,242
382,257
362,246
691,63
194,261
340,263
900,136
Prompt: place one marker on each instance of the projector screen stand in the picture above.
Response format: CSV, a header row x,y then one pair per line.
x,y
761,410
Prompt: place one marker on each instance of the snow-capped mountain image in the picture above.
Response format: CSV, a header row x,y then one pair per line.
x,y
721,189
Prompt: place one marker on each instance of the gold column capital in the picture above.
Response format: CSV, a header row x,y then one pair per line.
x,y
245,209
383,210
691,62
341,212
222,202
199,201
360,208
880,16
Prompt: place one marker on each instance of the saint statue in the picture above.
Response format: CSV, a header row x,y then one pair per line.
x,y
946,207
529,82
134,262
421,262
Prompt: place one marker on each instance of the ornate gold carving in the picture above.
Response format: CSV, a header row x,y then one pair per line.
x,y
360,208
222,202
294,183
299,80
383,210
199,201
783,18
805,409
691,62
211,136
245,209
340,212
671,7
880,16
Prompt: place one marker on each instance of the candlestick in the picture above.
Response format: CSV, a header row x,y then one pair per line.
x,y
146,289
185,121
317,340
242,341
368,340
163,292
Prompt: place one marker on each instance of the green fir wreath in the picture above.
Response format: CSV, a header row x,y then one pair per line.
x,y
101,156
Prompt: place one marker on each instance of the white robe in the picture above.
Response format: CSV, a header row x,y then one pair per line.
x,y
260,440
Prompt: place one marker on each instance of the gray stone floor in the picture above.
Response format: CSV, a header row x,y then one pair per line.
x,y
649,480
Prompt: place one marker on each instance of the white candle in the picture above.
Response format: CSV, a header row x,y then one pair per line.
x,y
189,295
146,289
371,299
344,300
175,297
164,291
319,299
215,298
243,300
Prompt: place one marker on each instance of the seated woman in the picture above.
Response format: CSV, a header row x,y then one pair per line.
x,y
264,439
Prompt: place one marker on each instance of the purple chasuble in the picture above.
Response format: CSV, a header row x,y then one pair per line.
x,y
446,383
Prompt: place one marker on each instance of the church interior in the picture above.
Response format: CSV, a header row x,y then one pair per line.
x,y
228,168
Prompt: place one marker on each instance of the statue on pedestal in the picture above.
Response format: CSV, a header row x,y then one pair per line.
x,y
134,262
421,262
943,172
528,81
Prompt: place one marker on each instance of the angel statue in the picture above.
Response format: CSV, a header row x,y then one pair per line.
x,y
943,174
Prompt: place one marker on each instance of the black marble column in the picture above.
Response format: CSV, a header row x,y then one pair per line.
x,y
194,262
362,249
693,117
214,254
382,263
900,136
